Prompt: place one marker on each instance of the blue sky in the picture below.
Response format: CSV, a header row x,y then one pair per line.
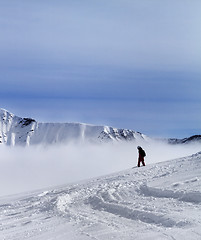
x,y
132,64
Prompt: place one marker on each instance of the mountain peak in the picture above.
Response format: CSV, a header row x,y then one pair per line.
x,y
27,131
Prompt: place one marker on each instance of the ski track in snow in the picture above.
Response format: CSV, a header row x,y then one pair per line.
x,y
159,201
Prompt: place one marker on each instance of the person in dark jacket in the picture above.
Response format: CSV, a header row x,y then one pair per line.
x,y
142,154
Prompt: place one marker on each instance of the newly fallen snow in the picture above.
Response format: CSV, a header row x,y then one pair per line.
x,y
159,201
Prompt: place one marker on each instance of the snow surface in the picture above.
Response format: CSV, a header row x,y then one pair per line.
x,y
159,201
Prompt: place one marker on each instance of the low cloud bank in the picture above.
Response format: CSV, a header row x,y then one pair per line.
x,y
31,168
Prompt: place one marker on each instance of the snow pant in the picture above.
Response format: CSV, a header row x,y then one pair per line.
x,y
141,159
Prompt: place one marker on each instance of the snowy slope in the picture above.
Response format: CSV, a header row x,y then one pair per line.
x,y
159,201
26,131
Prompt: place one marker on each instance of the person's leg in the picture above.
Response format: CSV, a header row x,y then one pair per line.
x,y
143,163
138,162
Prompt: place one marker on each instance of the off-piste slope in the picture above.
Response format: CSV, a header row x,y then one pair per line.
x,y
159,201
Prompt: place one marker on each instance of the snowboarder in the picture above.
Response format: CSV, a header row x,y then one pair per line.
x,y
142,154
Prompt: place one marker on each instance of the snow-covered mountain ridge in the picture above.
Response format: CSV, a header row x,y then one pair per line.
x,y
15,130
194,138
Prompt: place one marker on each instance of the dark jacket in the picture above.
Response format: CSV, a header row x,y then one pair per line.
x,y
141,152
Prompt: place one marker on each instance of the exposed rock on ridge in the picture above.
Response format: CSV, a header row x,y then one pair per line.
x,y
27,131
